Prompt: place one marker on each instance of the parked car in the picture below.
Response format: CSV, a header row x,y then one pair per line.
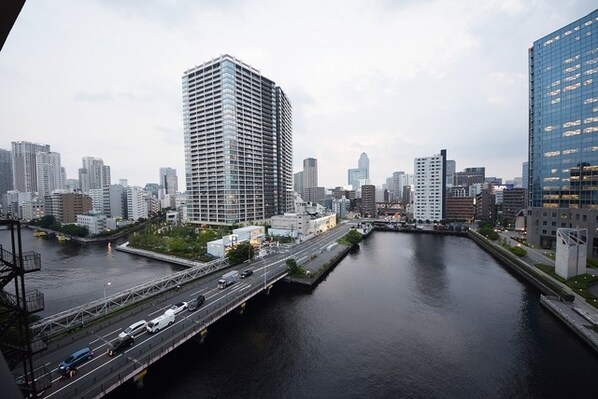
x,y
75,360
246,273
179,307
196,303
134,329
120,345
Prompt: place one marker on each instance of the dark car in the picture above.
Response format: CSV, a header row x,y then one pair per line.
x,y
196,303
246,273
75,360
120,345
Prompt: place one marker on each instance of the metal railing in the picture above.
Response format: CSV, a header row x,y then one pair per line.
x,y
76,317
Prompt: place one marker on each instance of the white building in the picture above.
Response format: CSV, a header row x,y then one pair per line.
x,y
93,174
97,198
32,210
94,221
340,206
50,174
289,225
253,234
429,190
136,203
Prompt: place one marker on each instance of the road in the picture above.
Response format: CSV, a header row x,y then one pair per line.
x,y
102,367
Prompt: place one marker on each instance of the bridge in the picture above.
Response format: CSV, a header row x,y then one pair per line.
x,y
97,324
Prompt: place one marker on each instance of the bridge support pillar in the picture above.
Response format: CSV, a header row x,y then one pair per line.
x,y
267,289
242,307
138,379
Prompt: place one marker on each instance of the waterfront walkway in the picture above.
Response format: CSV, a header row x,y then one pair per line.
x,y
578,314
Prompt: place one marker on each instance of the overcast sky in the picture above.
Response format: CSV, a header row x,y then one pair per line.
x,y
395,79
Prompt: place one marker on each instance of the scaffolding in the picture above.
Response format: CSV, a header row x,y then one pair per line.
x,y
16,309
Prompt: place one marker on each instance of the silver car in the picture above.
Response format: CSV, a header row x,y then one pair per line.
x,y
133,329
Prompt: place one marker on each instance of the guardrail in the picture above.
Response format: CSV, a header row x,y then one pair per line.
x,y
59,323
127,367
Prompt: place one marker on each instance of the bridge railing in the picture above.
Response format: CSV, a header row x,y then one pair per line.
x,y
135,362
59,323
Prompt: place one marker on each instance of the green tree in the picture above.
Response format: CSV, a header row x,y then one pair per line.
x,y
353,237
240,253
47,221
294,268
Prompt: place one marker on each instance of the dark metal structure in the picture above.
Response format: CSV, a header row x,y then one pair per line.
x,y
16,307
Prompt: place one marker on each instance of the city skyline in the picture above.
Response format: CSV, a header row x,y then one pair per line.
x,y
464,76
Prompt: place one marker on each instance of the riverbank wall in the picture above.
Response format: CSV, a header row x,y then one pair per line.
x,y
157,256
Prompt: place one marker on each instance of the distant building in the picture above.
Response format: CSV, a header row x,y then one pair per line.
x,y
512,203
115,201
94,221
368,201
24,165
298,182
65,206
169,180
430,188
5,171
460,209
153,189
451,168
364,164
49,173
33,210
485,209
94,174
470,176
136,203
341,206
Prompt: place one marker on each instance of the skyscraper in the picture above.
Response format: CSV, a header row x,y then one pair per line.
x,y
238,144
430,188
364,164
310,173
24,165
50,175
93,174
169,180
5,172
563,132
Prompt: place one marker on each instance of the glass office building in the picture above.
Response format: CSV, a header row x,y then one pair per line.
x,y
563,130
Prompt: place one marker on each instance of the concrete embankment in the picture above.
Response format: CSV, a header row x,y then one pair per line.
x,y
320,265
574,319
515,264
154,255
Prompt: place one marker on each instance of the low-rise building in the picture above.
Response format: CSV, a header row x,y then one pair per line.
x,y
94,221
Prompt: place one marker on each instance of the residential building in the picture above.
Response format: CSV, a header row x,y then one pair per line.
x,y
33,210
430,188
341,206
5,171
485,209
563,133
525,179
50,174
115,201
93,174
97,199
368,201
66,206
24,165
94,221
238,144
169,180
136,203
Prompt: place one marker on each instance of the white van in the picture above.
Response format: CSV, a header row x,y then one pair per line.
x,y
160,322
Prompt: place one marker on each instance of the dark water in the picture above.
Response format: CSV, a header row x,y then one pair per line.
x,y
407,316
73,273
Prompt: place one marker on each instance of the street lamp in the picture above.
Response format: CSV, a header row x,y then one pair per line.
x,y
105,302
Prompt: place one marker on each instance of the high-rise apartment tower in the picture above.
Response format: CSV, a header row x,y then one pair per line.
x,y
238,144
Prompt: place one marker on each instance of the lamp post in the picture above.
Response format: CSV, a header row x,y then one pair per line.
x,y
105,302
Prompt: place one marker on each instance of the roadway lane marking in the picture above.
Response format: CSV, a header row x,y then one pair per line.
x,y
103,336
164,309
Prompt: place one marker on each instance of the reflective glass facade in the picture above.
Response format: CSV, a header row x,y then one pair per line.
x,y
563,117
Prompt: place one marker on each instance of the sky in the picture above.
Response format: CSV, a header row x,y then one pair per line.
x,y
394,79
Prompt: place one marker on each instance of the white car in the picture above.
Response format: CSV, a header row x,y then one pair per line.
x,y
133,329
179,307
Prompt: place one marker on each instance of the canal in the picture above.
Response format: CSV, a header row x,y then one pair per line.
x,y
406,316
74,273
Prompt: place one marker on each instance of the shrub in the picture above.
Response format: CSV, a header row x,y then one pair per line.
x,y
518,251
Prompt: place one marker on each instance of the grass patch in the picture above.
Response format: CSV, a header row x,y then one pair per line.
x,y
550,271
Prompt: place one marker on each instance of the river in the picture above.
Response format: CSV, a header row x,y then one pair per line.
x,y
405,316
